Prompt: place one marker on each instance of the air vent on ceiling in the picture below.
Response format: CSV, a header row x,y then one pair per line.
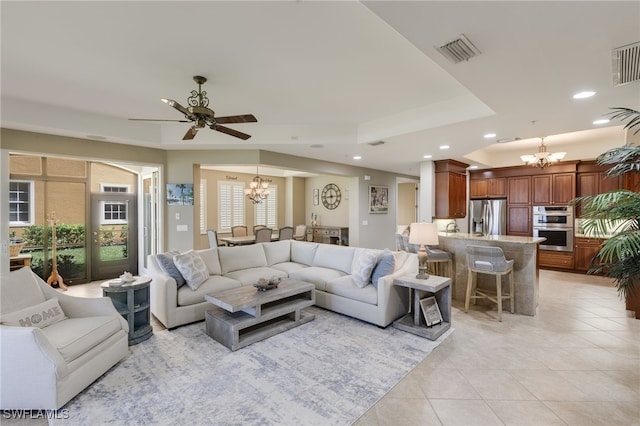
x,y
458,50
507,140
626,64
376,143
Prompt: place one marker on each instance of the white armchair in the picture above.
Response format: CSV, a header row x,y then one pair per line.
x,y
51,350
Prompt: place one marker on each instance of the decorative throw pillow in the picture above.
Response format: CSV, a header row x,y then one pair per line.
x,y
192,268
40,315
166,263
386,265
362,267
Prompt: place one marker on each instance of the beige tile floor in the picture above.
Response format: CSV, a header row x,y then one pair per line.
x,y
577,362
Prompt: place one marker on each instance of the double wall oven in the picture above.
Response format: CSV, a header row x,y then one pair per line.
x,y
555,223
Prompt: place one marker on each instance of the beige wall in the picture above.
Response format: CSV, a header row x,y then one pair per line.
x,y
336,217
406,203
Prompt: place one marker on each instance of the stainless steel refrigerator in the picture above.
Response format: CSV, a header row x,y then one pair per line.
x,y
488,217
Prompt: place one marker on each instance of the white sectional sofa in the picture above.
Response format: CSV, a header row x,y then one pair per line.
x,y
339,273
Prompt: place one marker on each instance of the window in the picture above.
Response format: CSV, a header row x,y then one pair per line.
x,y
230,205
21,203
106,187
114,212
203,206
267,210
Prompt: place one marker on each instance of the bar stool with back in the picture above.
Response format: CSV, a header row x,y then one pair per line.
x,y
491,261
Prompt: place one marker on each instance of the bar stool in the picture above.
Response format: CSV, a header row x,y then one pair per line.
x,y
440,263
491,261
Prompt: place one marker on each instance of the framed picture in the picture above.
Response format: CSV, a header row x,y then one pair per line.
x,y
431,311
316,197
378,199
180,194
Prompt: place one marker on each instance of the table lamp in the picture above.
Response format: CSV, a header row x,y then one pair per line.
x,y
423,234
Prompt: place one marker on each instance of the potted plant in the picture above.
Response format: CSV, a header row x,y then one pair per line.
x,y
619,256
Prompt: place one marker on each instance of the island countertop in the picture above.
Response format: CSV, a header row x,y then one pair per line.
x,y
524,252
500,238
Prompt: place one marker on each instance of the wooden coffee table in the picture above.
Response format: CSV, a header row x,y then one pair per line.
x,y
244,315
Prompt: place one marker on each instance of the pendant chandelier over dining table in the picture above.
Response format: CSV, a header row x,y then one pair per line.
x,y
258,189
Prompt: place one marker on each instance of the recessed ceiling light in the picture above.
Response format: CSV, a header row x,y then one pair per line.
x,y
585,94
357,157
601,121
473,167
490,135
444,147
427,156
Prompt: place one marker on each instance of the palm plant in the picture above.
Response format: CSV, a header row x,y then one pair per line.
x,y
619,256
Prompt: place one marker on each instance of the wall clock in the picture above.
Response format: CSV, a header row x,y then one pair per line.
x,y
331,196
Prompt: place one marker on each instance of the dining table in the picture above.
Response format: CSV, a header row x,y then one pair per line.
x,y
244,240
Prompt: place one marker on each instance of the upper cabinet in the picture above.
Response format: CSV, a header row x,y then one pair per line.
x,y
553,189
451,189
519,190
488,188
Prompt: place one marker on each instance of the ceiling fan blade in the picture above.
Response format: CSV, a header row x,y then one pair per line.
x,y
153,119
231,132
246,118
177,106
191,133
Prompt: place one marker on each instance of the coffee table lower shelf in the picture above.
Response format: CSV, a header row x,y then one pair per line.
x,y
239,329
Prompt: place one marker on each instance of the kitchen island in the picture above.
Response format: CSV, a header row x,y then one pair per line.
x,y
524,252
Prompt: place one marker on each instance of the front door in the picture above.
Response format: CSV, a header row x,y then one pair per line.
x,y
114,235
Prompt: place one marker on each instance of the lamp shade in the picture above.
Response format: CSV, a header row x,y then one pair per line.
x,y
423,233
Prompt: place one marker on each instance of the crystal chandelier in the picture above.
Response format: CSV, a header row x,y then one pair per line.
x,y
258,189
542,158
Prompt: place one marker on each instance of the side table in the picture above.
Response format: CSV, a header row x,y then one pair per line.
x,y
132,302
414,322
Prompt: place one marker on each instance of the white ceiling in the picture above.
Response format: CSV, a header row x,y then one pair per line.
x,y
337,74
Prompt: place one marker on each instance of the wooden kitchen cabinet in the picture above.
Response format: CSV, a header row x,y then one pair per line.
x,y
553,189
584,250
451,189
519,190
488,188
555,259
519,221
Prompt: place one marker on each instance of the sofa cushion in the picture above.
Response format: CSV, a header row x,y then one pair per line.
x,y
75,336
363,263
211,259
317,275
165,260
192,268
19,290
40,315
289,267
303,252
241,257
334,257
347,287
186,296
277,252
251,276
386,266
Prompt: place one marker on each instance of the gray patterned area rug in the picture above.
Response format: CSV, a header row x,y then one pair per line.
x,y
326,372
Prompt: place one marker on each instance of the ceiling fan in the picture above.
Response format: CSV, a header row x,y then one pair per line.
x,y
200,115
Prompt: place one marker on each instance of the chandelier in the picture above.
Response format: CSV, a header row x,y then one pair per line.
x,y
542,158
258,189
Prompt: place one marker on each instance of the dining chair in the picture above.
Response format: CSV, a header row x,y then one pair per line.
x,y
256,227
239,231
285,233
301,233
263,235
213,238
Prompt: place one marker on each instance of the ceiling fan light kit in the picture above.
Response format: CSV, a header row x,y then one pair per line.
x,y
542,158
199,113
